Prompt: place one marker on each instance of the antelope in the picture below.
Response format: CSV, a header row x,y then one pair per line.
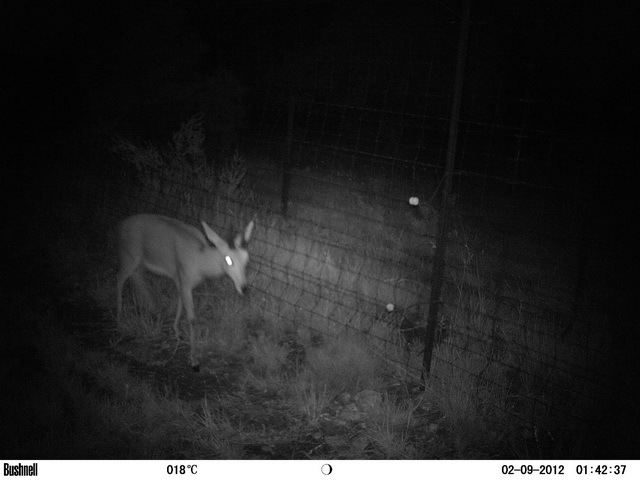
x,y
173,249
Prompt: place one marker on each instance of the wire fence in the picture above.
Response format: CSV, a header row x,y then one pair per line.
x,y
350,150
343,163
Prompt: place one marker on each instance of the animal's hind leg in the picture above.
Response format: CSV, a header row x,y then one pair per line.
x,y
176,327
126,270
142,292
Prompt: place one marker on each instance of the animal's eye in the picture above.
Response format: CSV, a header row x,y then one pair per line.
x,y
227,259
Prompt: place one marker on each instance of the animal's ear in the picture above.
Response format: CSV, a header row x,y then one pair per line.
x,y
249,230
241,241
214,238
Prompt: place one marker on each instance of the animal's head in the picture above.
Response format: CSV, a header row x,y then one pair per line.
x,y
236,258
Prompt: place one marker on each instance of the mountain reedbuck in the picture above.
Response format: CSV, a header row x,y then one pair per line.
x,y
168,247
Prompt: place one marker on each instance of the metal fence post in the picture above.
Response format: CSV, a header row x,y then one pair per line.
x,y
286,162
438,271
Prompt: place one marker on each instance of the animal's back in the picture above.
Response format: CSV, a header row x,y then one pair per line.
x,y
156,241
